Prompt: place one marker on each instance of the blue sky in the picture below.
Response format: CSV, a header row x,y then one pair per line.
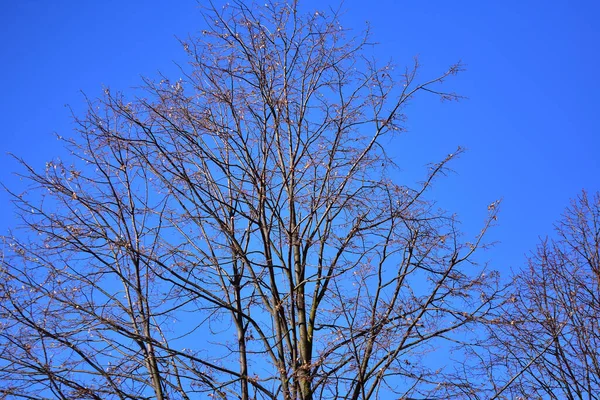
x,y
530,123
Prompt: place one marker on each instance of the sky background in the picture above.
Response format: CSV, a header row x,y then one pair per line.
x,y
530,122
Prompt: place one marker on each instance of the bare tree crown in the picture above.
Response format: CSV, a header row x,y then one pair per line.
x,y
548,338
238,233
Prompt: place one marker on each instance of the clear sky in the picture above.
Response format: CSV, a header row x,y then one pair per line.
x,y
530,123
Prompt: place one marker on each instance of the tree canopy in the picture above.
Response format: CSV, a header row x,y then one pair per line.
x,y
241,232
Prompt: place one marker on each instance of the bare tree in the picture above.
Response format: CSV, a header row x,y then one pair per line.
x,y
237,233
548,339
